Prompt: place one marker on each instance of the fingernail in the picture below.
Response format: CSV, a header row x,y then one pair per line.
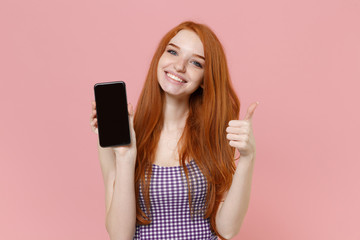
x,y
257,102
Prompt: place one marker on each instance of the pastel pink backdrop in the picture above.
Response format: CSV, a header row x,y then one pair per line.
x,y
299,59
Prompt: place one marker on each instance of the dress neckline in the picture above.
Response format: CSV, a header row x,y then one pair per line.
x,y
172,166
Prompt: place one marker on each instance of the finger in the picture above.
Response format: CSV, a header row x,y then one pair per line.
x,y
92,116
250,111
237,144
93,108
93,122
238,123
236,137
237,130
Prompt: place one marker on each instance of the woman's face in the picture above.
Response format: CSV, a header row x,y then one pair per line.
x,y
180,69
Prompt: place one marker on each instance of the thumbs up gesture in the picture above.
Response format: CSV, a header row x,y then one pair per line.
x,y
240,133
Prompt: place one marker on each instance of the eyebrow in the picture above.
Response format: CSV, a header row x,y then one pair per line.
x,y
193,54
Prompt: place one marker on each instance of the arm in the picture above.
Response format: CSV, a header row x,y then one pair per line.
x,y
118,174
107,163
232,211
121,215
118,167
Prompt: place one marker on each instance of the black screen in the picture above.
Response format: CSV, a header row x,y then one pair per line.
x,y
112,114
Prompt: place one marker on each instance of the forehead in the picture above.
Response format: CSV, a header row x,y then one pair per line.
x,y
189,41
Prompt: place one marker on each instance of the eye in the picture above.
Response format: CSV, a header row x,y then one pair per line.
x,y
198,64
171,51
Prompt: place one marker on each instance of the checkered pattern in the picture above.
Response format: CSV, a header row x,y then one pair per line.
x,y
170,206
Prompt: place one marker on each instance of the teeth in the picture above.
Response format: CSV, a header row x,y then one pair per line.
x,y
174,77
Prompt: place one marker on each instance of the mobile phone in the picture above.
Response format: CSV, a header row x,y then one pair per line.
x,y
112,114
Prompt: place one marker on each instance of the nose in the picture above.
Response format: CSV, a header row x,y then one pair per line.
x,y
180,65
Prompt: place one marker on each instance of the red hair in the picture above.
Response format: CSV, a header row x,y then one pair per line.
x,y
204,136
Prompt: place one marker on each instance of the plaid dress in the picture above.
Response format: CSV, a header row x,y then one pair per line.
x,y
171,218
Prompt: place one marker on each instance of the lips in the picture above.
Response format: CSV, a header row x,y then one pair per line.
x,y
180,77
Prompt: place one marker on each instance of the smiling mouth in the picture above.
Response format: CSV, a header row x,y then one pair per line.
x,y
175,78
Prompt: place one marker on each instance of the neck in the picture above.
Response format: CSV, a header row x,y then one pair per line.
x,y
175,113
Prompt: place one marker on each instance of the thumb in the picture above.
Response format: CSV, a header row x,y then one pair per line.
x,y
130,109
251,110
131,121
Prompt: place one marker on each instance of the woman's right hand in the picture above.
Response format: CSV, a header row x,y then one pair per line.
x,y
128,151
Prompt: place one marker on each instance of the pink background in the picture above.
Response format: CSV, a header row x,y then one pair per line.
x,y
299,59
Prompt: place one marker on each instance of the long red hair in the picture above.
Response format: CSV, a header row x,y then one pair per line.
x,y
204,135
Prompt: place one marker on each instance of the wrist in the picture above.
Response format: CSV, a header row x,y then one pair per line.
x,y
247,158
124,159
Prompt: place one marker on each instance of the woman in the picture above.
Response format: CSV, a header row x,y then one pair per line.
x,y
180,181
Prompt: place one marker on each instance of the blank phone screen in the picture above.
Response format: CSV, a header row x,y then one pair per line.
x,y
112,114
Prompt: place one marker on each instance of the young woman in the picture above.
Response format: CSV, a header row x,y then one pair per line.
x,y
180,181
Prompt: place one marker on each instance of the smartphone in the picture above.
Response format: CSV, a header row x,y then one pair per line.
x,y
112,114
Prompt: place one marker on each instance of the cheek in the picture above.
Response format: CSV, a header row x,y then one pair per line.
x,y
160,66
164,60
160,63
200,77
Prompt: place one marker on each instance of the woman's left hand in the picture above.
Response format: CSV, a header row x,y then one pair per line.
x,y
240,134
